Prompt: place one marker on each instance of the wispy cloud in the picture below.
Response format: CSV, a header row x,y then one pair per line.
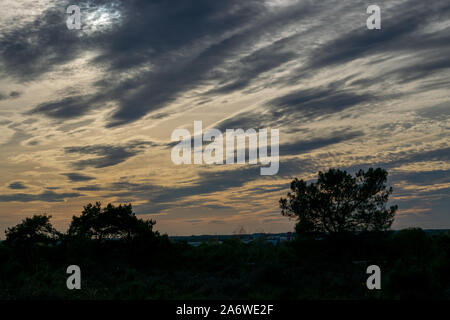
x,y
81,108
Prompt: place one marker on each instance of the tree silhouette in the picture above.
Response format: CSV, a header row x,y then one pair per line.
x,y
32,231
339,202
111,222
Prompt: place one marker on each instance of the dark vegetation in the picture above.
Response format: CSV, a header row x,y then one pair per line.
x,y
342,228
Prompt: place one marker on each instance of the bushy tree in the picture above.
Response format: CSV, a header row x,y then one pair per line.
x,y
110,222
339,202
32,231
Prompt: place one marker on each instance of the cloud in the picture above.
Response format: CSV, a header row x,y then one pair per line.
x,y
248,68
423,177
217,222
15,94
89,188
437,112
311,60
440,154
17,185
299,147
46,196
290,110
77,177
398,159
38,46
315,102
65,108
107,155
213,43
247,120
414,70
208,182
75,126
400,32
11,95
199,41
221,33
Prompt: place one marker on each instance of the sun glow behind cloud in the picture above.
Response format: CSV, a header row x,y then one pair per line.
x,y
102,18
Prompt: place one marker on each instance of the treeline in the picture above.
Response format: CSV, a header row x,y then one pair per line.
x,y
343,228
121,257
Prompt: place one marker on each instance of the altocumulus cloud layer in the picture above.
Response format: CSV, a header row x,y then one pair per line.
x,y
87,115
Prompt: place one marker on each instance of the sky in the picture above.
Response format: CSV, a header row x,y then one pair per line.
x,y
87,115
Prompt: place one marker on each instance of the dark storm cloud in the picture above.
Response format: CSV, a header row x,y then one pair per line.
x,y
400,31
152,29
107,155
442,154
221,32
423,178
299,106
246,120
38,46
404,30
424,69
312,103
46,196
251,66
66,108
17,185
417,70
305,146
77,177
186,44
89,188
